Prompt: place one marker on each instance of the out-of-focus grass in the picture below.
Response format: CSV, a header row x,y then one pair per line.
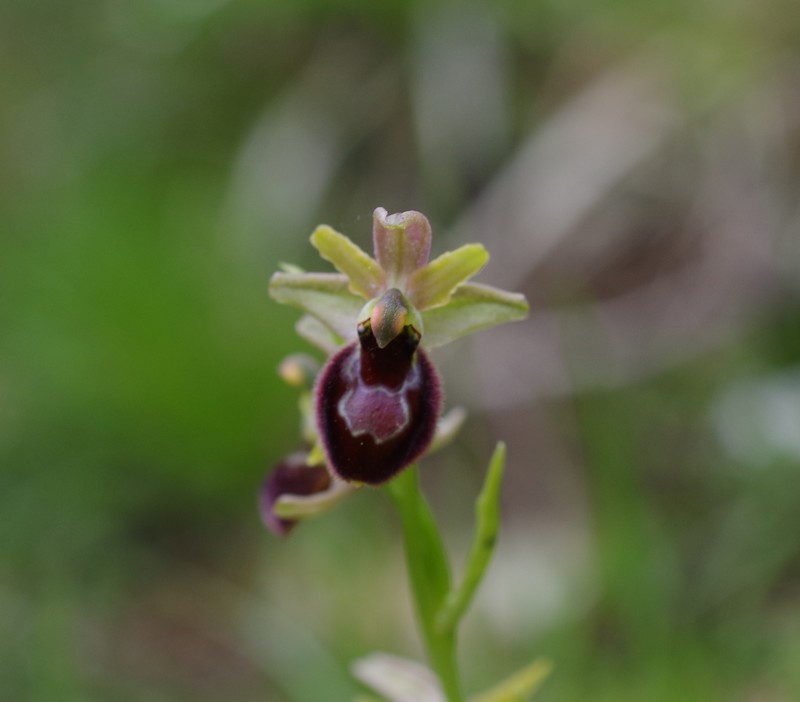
x,y
158,160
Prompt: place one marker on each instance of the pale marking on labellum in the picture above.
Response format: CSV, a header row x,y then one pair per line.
x,y
366,419
392,397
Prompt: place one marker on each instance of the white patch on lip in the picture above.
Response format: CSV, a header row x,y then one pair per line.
x,y
374,410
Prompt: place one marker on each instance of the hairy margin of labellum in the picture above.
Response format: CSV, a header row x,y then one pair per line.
x,y
358,456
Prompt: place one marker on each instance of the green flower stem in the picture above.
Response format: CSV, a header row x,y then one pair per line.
x,y
439,607
487,517
429,577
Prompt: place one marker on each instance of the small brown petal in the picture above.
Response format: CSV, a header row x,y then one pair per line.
x,y
290,477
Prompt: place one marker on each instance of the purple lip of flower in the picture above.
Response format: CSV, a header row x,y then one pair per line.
x,y
290,477
377,407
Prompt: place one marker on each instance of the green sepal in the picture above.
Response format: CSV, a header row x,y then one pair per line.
x,y
433,284
365,276
318,334
472,307
290,268
487,520
308,427
316,456
520,686
323,295
447,428
305,506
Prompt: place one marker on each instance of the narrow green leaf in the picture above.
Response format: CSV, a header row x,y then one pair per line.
x,y
325,296
365,276
487,520
472,307
433,285
520,686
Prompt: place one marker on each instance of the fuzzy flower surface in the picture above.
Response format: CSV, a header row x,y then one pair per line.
x,y
377,401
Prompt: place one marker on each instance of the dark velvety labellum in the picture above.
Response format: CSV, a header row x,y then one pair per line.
x,y
377,408
290,477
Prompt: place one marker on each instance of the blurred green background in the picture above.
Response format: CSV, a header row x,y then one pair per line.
x,y
634,168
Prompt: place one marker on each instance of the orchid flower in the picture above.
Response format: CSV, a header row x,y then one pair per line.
x,y
377,401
